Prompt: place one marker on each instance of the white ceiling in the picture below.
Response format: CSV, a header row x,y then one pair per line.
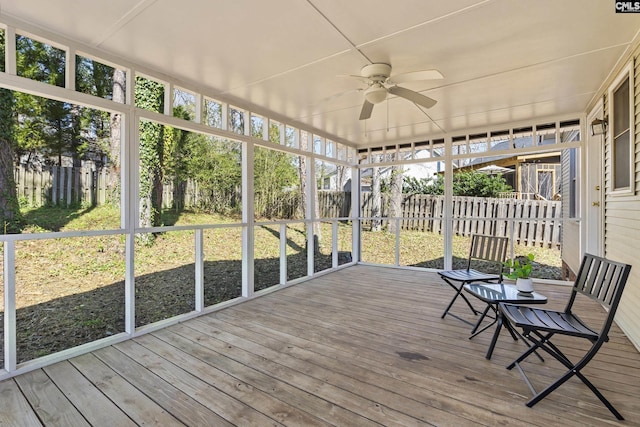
x,y
503,60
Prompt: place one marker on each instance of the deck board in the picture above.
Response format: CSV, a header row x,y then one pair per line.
x,y
357,347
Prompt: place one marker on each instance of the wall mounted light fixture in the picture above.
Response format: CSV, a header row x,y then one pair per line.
x,y
599,126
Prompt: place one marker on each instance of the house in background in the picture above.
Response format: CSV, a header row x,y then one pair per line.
x,y
535,176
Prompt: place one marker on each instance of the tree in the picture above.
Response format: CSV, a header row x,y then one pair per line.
x,y
9,206
104,81
376,200
45,125
115,136
215,165
395,201
303,180
150,96
274,178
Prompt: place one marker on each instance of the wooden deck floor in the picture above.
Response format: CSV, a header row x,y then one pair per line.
x,y
361,346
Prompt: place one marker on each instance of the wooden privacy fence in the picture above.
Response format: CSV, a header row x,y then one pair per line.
x,y
69,186
527,222
64,186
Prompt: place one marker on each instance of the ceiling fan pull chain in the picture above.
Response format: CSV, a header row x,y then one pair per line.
x,y
387,115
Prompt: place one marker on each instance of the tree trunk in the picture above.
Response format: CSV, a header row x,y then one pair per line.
x,y
115,139
302,172
376,200
151,96
395,204
9,206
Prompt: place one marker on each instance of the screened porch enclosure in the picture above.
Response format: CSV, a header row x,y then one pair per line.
x,y
212,232
194,203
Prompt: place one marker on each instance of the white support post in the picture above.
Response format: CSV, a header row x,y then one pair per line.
x,y
311,238
356,244
310,249
334,244
398,222
448,204
283,134
283,254
128,133
247,218
130,155
130,285
265,129
10,66
70,69
198,118
10,342
224,112
168,99
247,122
199,266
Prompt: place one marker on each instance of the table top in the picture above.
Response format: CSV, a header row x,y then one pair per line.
x,y
502,292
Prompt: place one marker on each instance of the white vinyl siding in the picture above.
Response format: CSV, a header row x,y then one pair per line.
x,y
622,222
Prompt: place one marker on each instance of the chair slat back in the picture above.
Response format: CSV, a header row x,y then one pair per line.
x,y
601,280
488,248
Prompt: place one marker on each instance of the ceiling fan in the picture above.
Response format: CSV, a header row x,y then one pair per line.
x,y
380,83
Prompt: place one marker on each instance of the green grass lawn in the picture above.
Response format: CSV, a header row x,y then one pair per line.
x,y
70,291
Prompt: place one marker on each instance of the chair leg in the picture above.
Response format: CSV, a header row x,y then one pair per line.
x,y
599,395
458,294
551,387
499,320
536,345
484,314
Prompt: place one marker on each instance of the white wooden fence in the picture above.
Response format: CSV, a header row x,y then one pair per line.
x,y
528,222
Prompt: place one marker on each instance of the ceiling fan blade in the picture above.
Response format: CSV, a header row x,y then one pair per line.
x,y
416,97
353,76
416,76
367,108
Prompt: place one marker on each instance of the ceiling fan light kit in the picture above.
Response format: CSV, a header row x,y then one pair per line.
x,y
376,93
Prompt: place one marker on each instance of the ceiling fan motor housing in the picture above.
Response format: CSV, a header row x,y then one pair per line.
x,y
376,72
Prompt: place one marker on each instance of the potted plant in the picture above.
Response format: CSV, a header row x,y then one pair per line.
x,y
519,269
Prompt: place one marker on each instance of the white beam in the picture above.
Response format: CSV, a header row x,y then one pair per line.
x,y
70,69
248,239
311,238
10,342
199,267
448,203
283,254
130,168
10,51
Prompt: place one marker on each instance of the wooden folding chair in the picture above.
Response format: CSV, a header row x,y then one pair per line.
x,y
599,279
490,251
